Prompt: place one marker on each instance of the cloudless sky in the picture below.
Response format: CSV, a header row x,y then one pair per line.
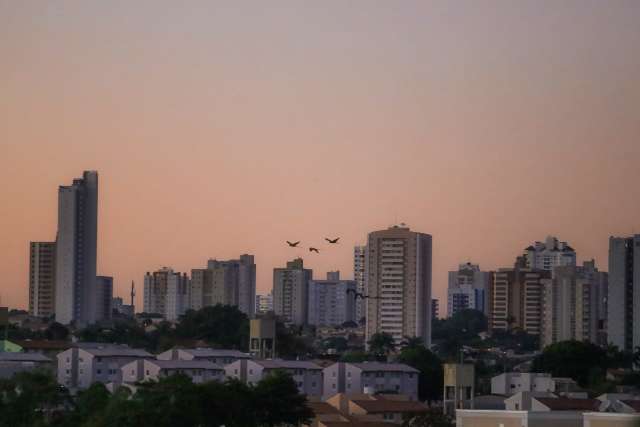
x,y
220,128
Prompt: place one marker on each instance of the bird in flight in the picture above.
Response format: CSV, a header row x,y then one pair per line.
x,y
293,244
332,240
312,249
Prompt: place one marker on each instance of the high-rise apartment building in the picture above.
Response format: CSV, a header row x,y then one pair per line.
x,y
468,289
230,282
435,308
398,275
166,292
42,279
549,254
517,298
623,318
291,292
359,259
264,303
572,305
76,248
104,293
332,302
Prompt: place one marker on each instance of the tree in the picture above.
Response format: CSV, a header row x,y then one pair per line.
x,y
381,344
412,342
221,325
430,419
56,331
583,361
277,401
431,376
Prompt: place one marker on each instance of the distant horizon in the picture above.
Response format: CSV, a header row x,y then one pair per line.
x,y
221,128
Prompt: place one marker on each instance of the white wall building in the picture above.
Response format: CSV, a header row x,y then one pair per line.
x,y
549,254
291,292
510,383
76,251
264,303
468,289
199,371
217,356
307,375
167,293
329,302
398,271
623,320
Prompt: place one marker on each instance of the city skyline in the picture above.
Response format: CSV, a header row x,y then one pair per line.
x,y
487,126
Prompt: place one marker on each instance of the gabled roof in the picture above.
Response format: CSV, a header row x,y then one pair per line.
x,y
633,404
376,406
386,367
22,357
320,408
568,404
117,352
287,364
215,352
187,364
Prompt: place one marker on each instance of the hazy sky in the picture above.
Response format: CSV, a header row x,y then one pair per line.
x,y
220,128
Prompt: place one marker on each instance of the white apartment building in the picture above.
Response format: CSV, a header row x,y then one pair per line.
x,y
549,254
264,303
332,302
216,356
369,378
510,383
398,271
167,293
623,320
468,289
307,375
199,371
86,363
291,292
359,263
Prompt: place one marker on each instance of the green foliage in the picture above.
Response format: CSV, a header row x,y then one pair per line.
x,y
584,362
381,344
431,375
278,401
464,325
357,357
340,344
222,325
430,419
293,341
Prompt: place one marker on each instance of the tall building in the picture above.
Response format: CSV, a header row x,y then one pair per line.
x,y
623,319
264,303
435,308
572,305
359,258
230,282
398,271
167,293
468,289
291,292
76,248
42,279
517,298
104,292
549,254
332,302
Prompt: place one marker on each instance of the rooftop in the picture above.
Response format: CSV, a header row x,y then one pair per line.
x,y
23,357
568,404
186,364
215,352
387,405
387,367
117,352
287,364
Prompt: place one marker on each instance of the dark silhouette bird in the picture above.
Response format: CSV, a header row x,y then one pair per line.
x,y
314,250
293,244
332,241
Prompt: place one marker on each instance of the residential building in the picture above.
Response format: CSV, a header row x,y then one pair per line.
x,y
262,337
332,302
468,289
231,282
517,298
104,292
459,386
87,363
199,371
12,363
121,308
606,419
76,251
216,356
291,292
307,375
398,271
623,320
493,418
549,254
359,268
166,293
370,377
264,303
365,410
510,383
42,279
572,305
435,308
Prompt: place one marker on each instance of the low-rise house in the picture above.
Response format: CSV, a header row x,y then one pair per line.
x,y
488,418
149,369
218,356
388,408
521,401
510,383
86,363
12,363
370,377
49,348
307,375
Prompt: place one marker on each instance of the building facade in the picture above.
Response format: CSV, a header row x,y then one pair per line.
x,y
549,254
623,320
291,292
359,263
167,293
398,271
307,375
468,289
42,279
76,251
332,302
104,294
264,303
199,371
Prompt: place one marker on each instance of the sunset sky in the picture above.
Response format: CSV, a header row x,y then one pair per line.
x,y
221,128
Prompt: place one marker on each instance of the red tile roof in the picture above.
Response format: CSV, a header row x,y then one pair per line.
x,y
385,405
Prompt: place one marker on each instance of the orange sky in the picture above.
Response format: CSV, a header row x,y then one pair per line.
x,y
222,128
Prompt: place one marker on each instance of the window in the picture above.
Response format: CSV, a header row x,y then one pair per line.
x,y
333,386
99,371
349,374
251,371
313,384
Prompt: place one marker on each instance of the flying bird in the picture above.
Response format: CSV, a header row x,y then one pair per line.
x,y
293,244
332,240
314,250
